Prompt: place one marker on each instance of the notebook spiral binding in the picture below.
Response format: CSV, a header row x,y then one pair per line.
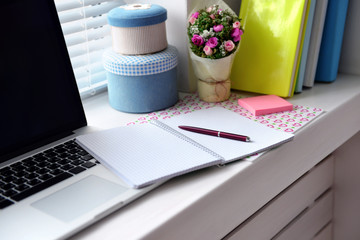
x,y
185,138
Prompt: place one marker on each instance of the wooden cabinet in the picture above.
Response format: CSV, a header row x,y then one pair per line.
x,y
305,189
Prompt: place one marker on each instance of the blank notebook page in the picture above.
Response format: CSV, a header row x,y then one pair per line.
x,y
218,118
144,154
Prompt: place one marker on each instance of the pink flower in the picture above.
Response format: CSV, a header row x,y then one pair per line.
x,y
212,42
236,24
209,9
218,28
193,17
236,33
229,45
195,14
212,16
197,40
192,20
208,51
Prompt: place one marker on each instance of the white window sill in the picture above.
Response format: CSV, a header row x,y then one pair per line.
x,y
100,114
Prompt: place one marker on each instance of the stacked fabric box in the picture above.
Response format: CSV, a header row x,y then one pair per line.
x,y
141,67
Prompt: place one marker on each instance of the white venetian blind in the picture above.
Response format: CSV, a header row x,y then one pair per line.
x,y
87,34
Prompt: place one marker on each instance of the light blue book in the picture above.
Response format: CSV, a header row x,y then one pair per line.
x,y
305,49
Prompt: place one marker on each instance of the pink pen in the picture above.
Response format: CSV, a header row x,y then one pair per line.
x,y
216,133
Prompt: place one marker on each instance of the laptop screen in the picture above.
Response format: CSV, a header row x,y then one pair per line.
x,y
39,99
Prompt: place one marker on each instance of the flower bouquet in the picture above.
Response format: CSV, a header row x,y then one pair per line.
x,y
214,35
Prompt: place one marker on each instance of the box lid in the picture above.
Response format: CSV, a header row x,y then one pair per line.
x,y
137,15
140,65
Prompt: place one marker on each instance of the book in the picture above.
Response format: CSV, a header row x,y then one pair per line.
x,y
146,153
315,42
300,50
330,49
268,55
266,104
305,49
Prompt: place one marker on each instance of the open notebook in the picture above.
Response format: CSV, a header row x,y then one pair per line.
x,y
146,153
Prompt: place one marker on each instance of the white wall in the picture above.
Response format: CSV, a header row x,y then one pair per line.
x,y
347,190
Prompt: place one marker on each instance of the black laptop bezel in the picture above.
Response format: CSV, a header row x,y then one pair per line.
x,y
79,118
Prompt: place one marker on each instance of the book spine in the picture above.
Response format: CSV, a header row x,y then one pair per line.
x,y
330,49
185,138
315,42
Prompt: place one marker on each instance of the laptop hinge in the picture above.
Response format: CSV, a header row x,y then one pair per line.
x,y
24,149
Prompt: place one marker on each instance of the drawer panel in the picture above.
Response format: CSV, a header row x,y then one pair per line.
x,y
310,221
275,215
325,234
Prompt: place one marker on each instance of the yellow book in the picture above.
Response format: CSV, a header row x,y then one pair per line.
x,y
267,60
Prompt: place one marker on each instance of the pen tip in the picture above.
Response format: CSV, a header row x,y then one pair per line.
x,y
247,139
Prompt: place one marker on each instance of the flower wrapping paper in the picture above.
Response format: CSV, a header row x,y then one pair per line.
x,y
287,121
214,74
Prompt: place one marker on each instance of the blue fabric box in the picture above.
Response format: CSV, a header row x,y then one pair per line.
x,y
141,83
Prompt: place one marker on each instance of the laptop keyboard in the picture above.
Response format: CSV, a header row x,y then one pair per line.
x,y
33,174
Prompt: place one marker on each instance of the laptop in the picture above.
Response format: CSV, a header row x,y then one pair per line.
x,y
50,187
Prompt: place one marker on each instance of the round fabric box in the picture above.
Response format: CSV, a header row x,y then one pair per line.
x,y
138,28
142,83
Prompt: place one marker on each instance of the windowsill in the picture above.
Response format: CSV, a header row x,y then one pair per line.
x,y
175,209
100,114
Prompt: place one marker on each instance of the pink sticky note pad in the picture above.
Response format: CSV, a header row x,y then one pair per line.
x,y
266,104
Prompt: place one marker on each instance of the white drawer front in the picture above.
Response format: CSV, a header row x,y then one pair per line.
x,y
311,221
325,234
274,216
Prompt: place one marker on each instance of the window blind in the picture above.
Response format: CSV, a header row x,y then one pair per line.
x,y
87,34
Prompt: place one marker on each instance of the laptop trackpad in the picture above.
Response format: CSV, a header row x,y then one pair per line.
x,y
79,198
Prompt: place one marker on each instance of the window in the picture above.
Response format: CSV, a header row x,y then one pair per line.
x,y
87,34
